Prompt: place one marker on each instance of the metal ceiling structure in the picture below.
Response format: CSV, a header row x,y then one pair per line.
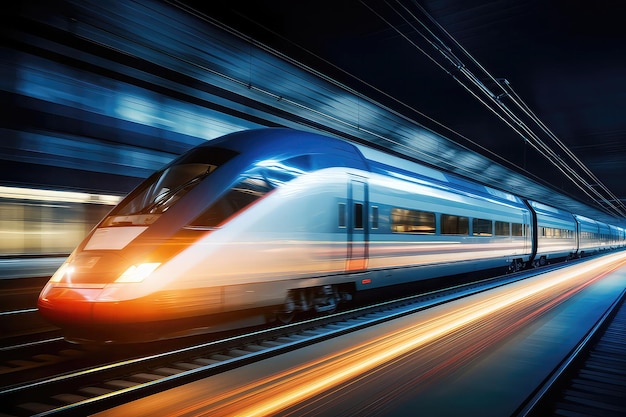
x,y
530,85
161,65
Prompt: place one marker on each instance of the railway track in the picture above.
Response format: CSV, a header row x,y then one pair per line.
x,y
20,322
592,380
18,360
94,389
91,388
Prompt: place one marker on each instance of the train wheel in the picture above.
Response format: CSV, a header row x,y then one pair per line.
x,y
288,311
318,300
326,299
285,318
516,266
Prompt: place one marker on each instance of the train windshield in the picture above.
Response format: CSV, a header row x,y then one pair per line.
x,y
163,189
255,183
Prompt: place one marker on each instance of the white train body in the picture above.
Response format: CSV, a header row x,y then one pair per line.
x,y
287,221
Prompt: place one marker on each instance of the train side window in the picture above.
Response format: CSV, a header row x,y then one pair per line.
x,y
503,228
341,215
517,229
358,215
482,227
554,233
374,217
412,221
454,225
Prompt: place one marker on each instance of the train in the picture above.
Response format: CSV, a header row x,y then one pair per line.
x,y
263,224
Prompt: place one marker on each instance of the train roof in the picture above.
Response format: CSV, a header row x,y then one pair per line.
x,y
340,152
281,143
385,163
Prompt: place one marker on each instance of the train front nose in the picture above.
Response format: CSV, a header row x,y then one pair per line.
x,y
98,298
65,306
69,296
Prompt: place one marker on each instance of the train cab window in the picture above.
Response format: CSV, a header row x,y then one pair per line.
x,y
260,179
237,198
517,229
503,228
482,227
164,188
412,221
454,225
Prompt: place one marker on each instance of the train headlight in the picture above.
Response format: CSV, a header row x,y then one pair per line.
x,y
63,270
137,273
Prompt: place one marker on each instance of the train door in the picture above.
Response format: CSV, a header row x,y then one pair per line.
x,y
357,229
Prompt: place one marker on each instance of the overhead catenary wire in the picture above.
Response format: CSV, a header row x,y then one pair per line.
x,y
456,65
559,142
620,209
509,92
529,135
493,101
360,96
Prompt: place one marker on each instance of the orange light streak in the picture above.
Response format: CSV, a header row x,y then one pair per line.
x,y
283,390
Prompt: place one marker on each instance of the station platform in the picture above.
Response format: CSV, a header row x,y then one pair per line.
x,y
481,355
29,266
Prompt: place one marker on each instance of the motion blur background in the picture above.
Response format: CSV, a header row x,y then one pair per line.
x,y
98,95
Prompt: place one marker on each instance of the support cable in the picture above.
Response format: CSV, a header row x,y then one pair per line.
x,y
471,83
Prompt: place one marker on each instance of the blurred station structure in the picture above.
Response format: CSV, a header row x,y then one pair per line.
x,y
98,95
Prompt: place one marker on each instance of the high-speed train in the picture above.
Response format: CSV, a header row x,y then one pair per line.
x,y
262,224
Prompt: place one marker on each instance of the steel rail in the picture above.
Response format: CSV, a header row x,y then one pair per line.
x,y
131,379
550,385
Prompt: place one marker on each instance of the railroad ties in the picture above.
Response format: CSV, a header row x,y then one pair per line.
x,y
596,386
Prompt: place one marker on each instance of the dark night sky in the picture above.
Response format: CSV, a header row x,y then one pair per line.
x,y
565,59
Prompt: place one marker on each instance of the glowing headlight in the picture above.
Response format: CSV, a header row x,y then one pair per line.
x,y
61,272
137,273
